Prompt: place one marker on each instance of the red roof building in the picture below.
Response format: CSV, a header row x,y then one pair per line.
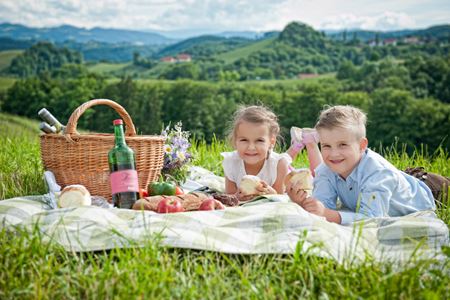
x,y
168,59
183,57
392,42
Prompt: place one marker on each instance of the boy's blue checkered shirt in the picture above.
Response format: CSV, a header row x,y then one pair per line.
x,y
375,188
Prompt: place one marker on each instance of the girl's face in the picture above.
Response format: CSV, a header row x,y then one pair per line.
x,y
253,141
341,150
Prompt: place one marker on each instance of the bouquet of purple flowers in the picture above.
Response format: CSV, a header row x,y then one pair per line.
x,y
176,153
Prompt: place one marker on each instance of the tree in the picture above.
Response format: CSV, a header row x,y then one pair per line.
x,y
346,70
42,57
182,71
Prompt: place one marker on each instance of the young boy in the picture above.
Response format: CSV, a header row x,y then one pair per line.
x,y
366,183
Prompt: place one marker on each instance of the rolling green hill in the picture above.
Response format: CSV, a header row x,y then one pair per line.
x,y
13,126
204,46
6,57
242,52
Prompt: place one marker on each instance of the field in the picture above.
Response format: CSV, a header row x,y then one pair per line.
x,y
241,52
33,269
6,83
6,57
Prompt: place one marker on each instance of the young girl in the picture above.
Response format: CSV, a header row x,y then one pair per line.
x,y
254,134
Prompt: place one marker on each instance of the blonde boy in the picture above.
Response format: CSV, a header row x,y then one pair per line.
x,y
366,183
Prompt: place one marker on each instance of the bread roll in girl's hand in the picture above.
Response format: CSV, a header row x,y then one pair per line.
x,y
73,196
250,185
302,177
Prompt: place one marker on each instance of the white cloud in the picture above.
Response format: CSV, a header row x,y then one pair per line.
x,y
218,15
384,21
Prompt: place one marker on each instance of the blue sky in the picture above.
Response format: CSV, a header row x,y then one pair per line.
x,y
223,15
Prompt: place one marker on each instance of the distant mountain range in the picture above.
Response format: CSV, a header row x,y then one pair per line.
x,y
67,33
115,45
81,35
113,36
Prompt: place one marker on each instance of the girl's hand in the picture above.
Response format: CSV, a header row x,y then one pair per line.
x,y
265,189
262,189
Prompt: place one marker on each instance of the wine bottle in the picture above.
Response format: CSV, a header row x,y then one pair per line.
x,y
51,120
47,128
123,177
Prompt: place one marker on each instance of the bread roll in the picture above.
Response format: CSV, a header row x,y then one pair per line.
x,y
302,176
74,196
249,185
191,201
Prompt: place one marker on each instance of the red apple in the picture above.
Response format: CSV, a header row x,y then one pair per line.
x,y
169,205
178,191
211,204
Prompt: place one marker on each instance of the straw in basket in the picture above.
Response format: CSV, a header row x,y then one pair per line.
x,y
83,158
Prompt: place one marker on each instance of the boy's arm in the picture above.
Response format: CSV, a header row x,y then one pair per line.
x,y
323,190
374,203
316,207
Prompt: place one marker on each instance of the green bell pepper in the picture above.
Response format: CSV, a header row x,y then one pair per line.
x,y
161,188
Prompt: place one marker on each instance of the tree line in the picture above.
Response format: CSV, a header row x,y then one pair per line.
x,y
396,114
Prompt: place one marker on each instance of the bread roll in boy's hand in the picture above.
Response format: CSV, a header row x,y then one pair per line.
x,y
252,186
301,179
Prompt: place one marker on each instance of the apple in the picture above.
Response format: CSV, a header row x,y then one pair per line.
x,y
211,204
169,205
143,193
178,191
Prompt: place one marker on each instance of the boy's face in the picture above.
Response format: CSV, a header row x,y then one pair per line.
x,y
341,150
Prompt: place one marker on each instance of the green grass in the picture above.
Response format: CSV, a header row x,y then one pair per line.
x,y
31,268
245,51
21,168
6,57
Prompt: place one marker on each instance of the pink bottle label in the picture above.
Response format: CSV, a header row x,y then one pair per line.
x,y
124,181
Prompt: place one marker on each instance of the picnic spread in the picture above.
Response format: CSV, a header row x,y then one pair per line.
x,y
94,212
271,224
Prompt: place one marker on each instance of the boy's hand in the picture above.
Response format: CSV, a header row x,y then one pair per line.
x,y
296,194
314,206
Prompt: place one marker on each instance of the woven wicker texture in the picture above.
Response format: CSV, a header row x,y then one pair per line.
x,y
83,158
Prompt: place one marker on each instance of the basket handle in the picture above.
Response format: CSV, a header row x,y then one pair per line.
x,y
73,120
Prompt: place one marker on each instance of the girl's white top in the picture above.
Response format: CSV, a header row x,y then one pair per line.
x,y
234,169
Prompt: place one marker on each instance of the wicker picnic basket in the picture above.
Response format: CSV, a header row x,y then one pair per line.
x,y
83,158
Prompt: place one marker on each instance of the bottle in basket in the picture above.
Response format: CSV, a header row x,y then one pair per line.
x,y
51,120
123,178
